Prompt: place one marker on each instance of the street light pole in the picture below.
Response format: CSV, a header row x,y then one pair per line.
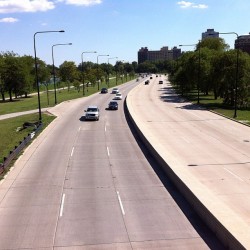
x,y
199,69
98,70
54,75
236,74
83,86
37,83
108,66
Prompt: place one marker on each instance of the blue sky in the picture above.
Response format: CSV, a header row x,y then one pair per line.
x,y
115,27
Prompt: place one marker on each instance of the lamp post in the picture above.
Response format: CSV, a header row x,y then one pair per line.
x,y
108,65
199,69
54,75
236,73
37,83
83,86
98,70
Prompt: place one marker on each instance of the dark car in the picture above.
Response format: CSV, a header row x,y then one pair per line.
x,y
160,82
113,105
147,82
104,90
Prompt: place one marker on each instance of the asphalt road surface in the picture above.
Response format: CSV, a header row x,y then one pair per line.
x,y
92,185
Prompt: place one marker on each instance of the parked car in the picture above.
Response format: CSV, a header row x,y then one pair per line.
x,y
118,96
113,105
104,90
147,82
160,82
92,113
115,90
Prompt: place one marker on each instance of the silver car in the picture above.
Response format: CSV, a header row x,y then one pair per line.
x,y
92,113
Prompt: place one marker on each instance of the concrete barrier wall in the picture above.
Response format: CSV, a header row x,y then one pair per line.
x,y
210,220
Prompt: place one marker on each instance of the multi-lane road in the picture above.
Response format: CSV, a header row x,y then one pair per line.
x,y
209,153
93,185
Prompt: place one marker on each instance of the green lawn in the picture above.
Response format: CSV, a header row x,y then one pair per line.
x,y
210,103
11,132
30,103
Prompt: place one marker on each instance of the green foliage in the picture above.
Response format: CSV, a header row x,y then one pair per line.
x,y
212,68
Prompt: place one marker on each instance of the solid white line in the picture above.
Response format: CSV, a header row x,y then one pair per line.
x,y
120,202
108,151
233,174
62,204
72,151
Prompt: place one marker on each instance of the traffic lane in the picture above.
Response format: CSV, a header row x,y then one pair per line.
x,y
182,153
31,203
91,212
150,213
29,210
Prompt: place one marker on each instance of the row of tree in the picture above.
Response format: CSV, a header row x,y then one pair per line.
x,y
17,73
211,68
214,68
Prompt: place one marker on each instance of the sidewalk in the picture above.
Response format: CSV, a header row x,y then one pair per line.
x,y
11,115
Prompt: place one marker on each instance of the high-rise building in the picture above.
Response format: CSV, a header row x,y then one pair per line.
x,y
209,33
158,55
243,43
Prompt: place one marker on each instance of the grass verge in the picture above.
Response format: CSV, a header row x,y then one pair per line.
x,y
12,132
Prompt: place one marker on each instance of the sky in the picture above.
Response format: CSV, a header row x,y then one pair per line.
x,y
114,28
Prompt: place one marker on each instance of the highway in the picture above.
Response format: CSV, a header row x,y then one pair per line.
x,y
93,185
207,152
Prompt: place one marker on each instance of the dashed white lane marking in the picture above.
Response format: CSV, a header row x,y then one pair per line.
x,y
72,151
108,151
120,202
62,205
236,176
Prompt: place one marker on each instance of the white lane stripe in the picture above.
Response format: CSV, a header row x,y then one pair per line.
x,y
62,205
105,128
233,174
72,151
79,129
108,151
120,202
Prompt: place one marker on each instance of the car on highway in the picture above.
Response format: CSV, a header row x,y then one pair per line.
x,y
115,91
118,96
113,105
104,90
160,82
92,113
146,82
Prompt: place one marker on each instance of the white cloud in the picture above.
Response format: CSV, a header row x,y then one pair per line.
x,y
186,4
8,20
82,2
13,6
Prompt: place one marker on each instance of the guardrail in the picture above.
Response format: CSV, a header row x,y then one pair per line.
x,y
7,160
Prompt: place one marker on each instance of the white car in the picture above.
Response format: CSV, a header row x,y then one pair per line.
x,y
115,90
118,96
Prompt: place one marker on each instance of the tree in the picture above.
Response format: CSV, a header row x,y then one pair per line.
x,y
68,71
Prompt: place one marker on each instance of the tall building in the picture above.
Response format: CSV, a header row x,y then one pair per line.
x,y
158,55
209,33
243,43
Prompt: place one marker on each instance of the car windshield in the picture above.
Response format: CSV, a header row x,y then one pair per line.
x,y
91,109
118,94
